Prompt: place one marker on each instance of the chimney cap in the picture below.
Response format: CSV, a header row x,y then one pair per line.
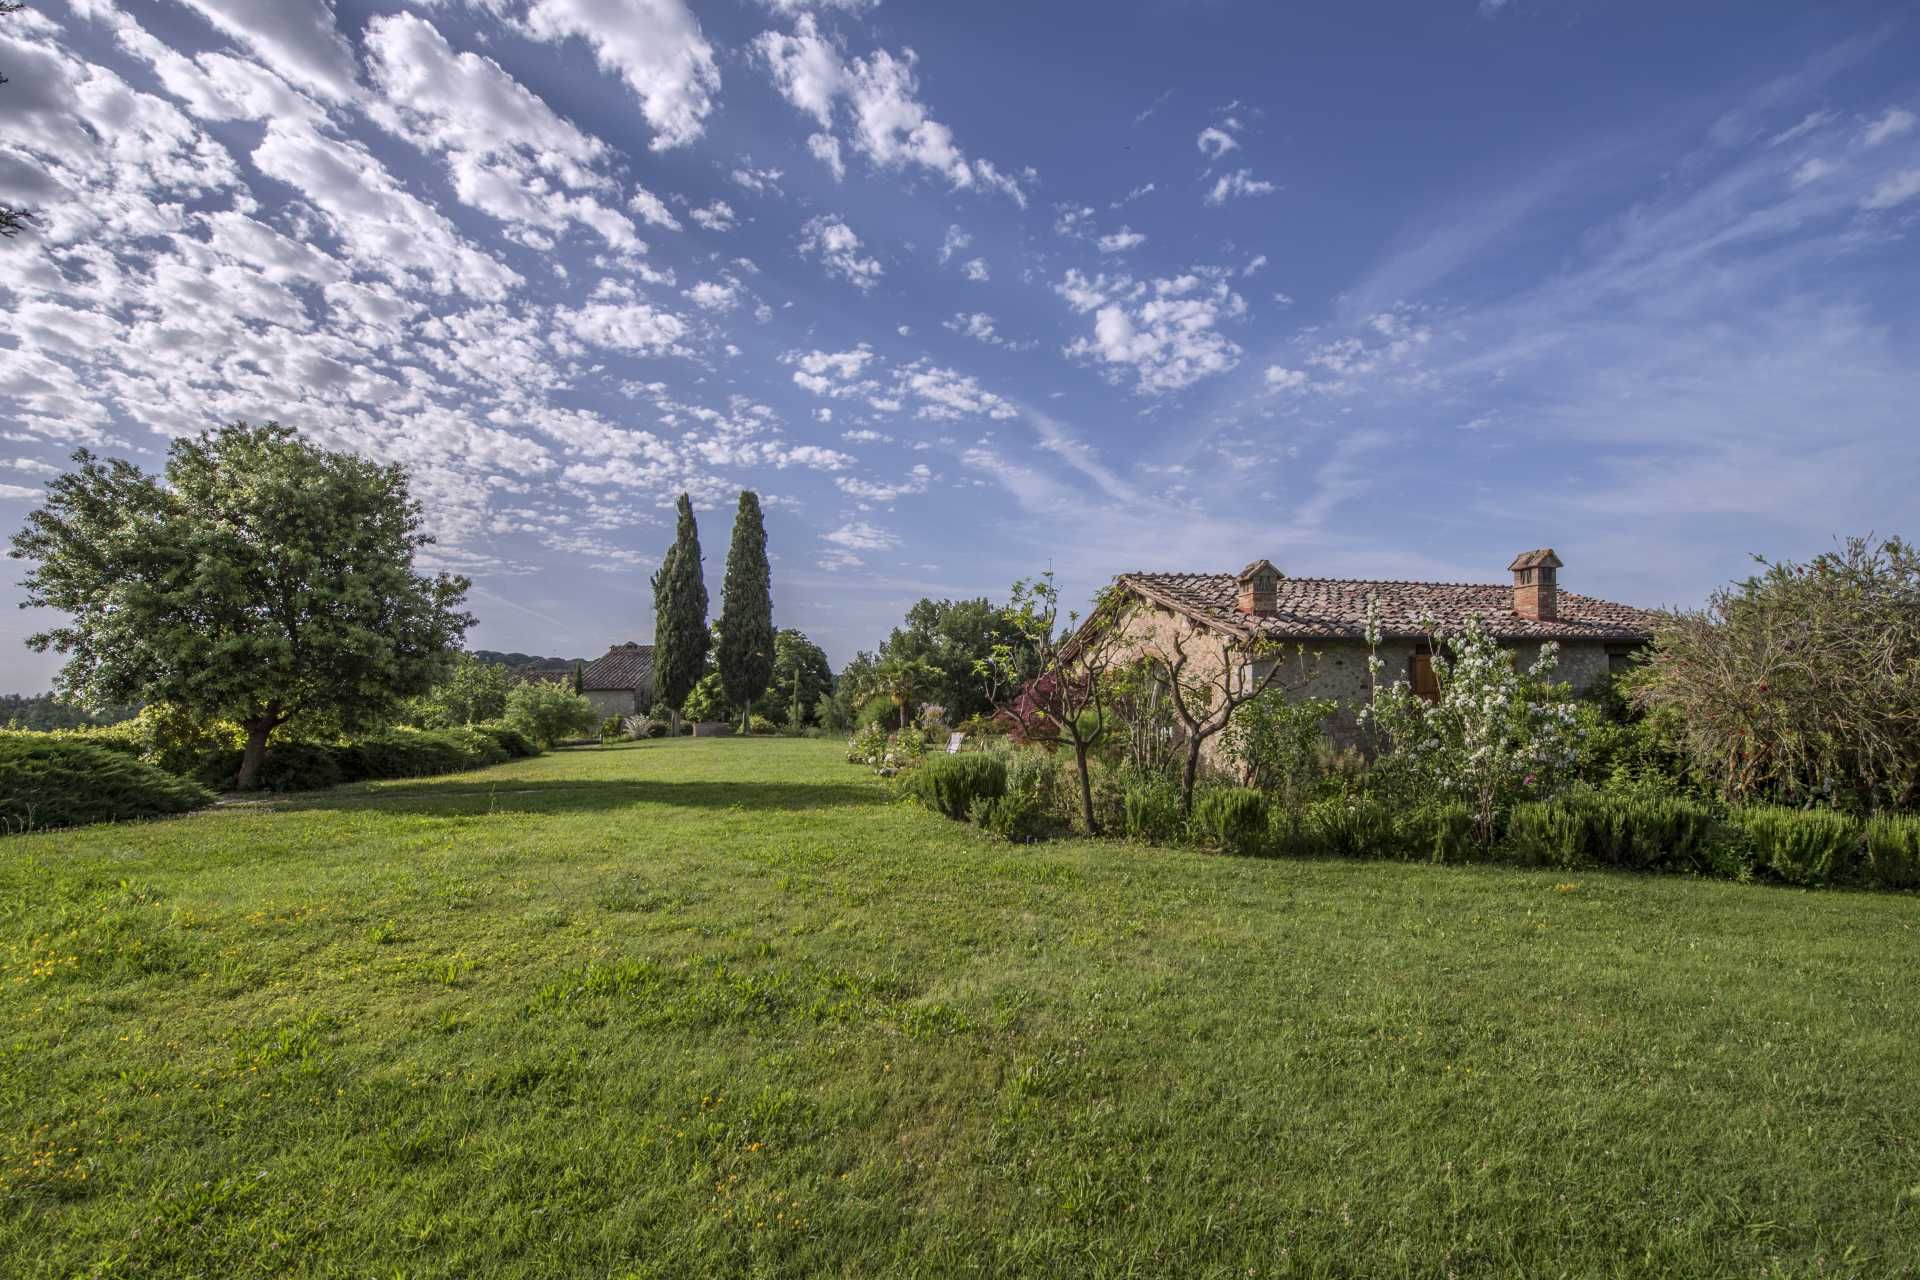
x,y
1540,559
1259,567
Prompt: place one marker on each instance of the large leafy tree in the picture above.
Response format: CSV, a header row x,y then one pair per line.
x,y
470,691
745,652
801,675
680,635
954,637
265,578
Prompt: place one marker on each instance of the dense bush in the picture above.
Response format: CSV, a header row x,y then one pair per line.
x,y
49,781
1278,743
612,729
1893,850
760,725
549,712
1802,683
405,753
951,784
1016,816
1802,846
1231,818
516,744
299,766
1609,829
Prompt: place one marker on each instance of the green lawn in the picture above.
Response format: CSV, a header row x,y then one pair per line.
x,y
717,1007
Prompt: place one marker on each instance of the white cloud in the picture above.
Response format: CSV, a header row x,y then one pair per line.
x,y
758,181
978,325
1894,122
20,491
1259,261
1214,142
821,371
625,326
864,435
382,227
1283,379
825,148
1240,182
1812,170
890,126
717,216
656,46
298,39
792,7
871,491
838,249
955,241
714,295
976,269
653,209
505,148
1897,189
861,536
1121,241
1165,330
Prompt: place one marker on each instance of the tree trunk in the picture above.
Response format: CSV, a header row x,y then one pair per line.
x,y
1086,788
903,717
255,754
1191,774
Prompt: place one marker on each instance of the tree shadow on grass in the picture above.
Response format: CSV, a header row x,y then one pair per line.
x,y
515,795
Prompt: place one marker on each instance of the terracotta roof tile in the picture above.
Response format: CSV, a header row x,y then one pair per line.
x,y
625,666
1336,608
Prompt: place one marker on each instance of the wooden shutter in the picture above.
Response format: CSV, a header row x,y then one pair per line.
x,y
1420,670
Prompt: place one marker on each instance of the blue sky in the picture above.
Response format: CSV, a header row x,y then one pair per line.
x,y
1391,290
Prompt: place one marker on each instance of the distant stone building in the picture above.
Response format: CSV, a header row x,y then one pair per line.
x,y
1328,617
620,682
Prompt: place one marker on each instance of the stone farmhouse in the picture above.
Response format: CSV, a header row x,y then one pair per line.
x,y
1328,617
620,681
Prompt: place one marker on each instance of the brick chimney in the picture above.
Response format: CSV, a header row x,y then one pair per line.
x,y
1260,588
1535,594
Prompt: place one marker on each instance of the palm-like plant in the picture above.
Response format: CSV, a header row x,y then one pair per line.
x,y
902,681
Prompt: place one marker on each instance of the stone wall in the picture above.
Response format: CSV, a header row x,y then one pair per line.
x,y
611,702
1337,669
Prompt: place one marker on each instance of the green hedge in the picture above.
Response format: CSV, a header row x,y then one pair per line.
x,y
1804,846
1893,850
950,784
1629,831
48,781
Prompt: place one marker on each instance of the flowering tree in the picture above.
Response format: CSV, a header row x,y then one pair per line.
x,y
1493,736
1049,674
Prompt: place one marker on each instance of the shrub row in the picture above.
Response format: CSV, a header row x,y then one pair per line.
x,y
298,765
49,781
1585,829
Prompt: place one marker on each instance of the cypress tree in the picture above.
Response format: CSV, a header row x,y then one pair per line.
x,y
746,610
680,636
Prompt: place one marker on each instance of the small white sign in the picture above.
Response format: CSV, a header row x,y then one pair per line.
x,y
953,742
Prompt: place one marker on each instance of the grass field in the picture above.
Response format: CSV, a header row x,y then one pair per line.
x,y
717,1007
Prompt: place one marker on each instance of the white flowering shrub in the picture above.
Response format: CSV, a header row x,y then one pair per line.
x,y
1495,736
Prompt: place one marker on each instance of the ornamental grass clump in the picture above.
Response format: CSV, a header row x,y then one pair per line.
x,y
1150,809
1233,819
1803,846
63,782
1893,850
